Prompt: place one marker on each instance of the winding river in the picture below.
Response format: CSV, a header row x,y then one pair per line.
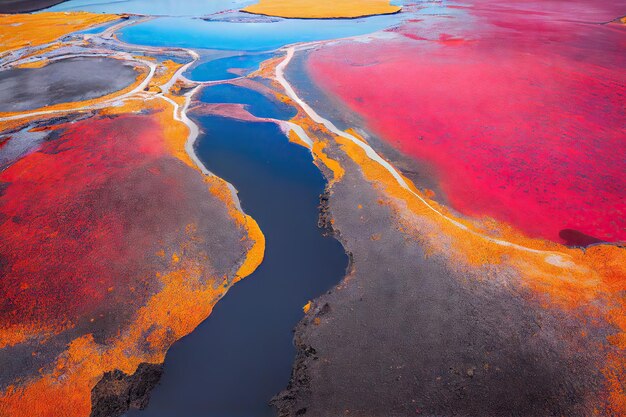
x,y
242,355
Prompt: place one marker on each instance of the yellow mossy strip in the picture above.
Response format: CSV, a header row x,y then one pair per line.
x,y
321,9
15,124
219,188
294,138
34,64
20,30
317,150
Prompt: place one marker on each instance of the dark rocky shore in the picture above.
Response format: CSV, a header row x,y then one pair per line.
x,y
117,392
26,6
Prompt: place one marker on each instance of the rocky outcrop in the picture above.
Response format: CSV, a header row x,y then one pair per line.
x,y
117,392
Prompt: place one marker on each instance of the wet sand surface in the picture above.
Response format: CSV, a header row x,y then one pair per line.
x,y
68,80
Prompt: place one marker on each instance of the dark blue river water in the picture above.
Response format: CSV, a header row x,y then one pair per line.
x,y
256,103
242,355
222,68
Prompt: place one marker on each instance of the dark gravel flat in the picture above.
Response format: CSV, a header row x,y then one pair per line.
x,y
74,79
25,6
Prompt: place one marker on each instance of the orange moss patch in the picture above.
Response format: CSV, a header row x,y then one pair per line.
x,y
267,70
34,64
321,9
219,188
319,155
15,124
175,133
20,30
45,50
294,138
165,71
334,166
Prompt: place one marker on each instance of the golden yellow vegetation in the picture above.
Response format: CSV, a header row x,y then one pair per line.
x,y
321,9
21,30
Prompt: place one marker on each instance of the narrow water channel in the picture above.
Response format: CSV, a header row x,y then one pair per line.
x,y
242,355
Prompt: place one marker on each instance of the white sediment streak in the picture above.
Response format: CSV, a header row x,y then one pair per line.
x,y
178,75
179,113
289,126
373,155
194,131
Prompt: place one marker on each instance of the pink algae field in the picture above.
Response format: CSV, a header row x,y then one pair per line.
x,y
518,109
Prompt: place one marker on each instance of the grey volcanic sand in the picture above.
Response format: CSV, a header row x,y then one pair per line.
x,y
73,79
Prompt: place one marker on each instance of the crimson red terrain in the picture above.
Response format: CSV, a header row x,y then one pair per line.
x,y
518,109
63,233
86,221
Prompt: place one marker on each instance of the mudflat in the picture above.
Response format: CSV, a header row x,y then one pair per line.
x,y
68,80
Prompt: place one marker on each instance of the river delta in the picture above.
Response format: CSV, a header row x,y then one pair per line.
x,y
236,208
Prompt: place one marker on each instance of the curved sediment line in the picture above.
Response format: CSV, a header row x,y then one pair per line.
x,y
179,73
291,126
374,156
180,115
